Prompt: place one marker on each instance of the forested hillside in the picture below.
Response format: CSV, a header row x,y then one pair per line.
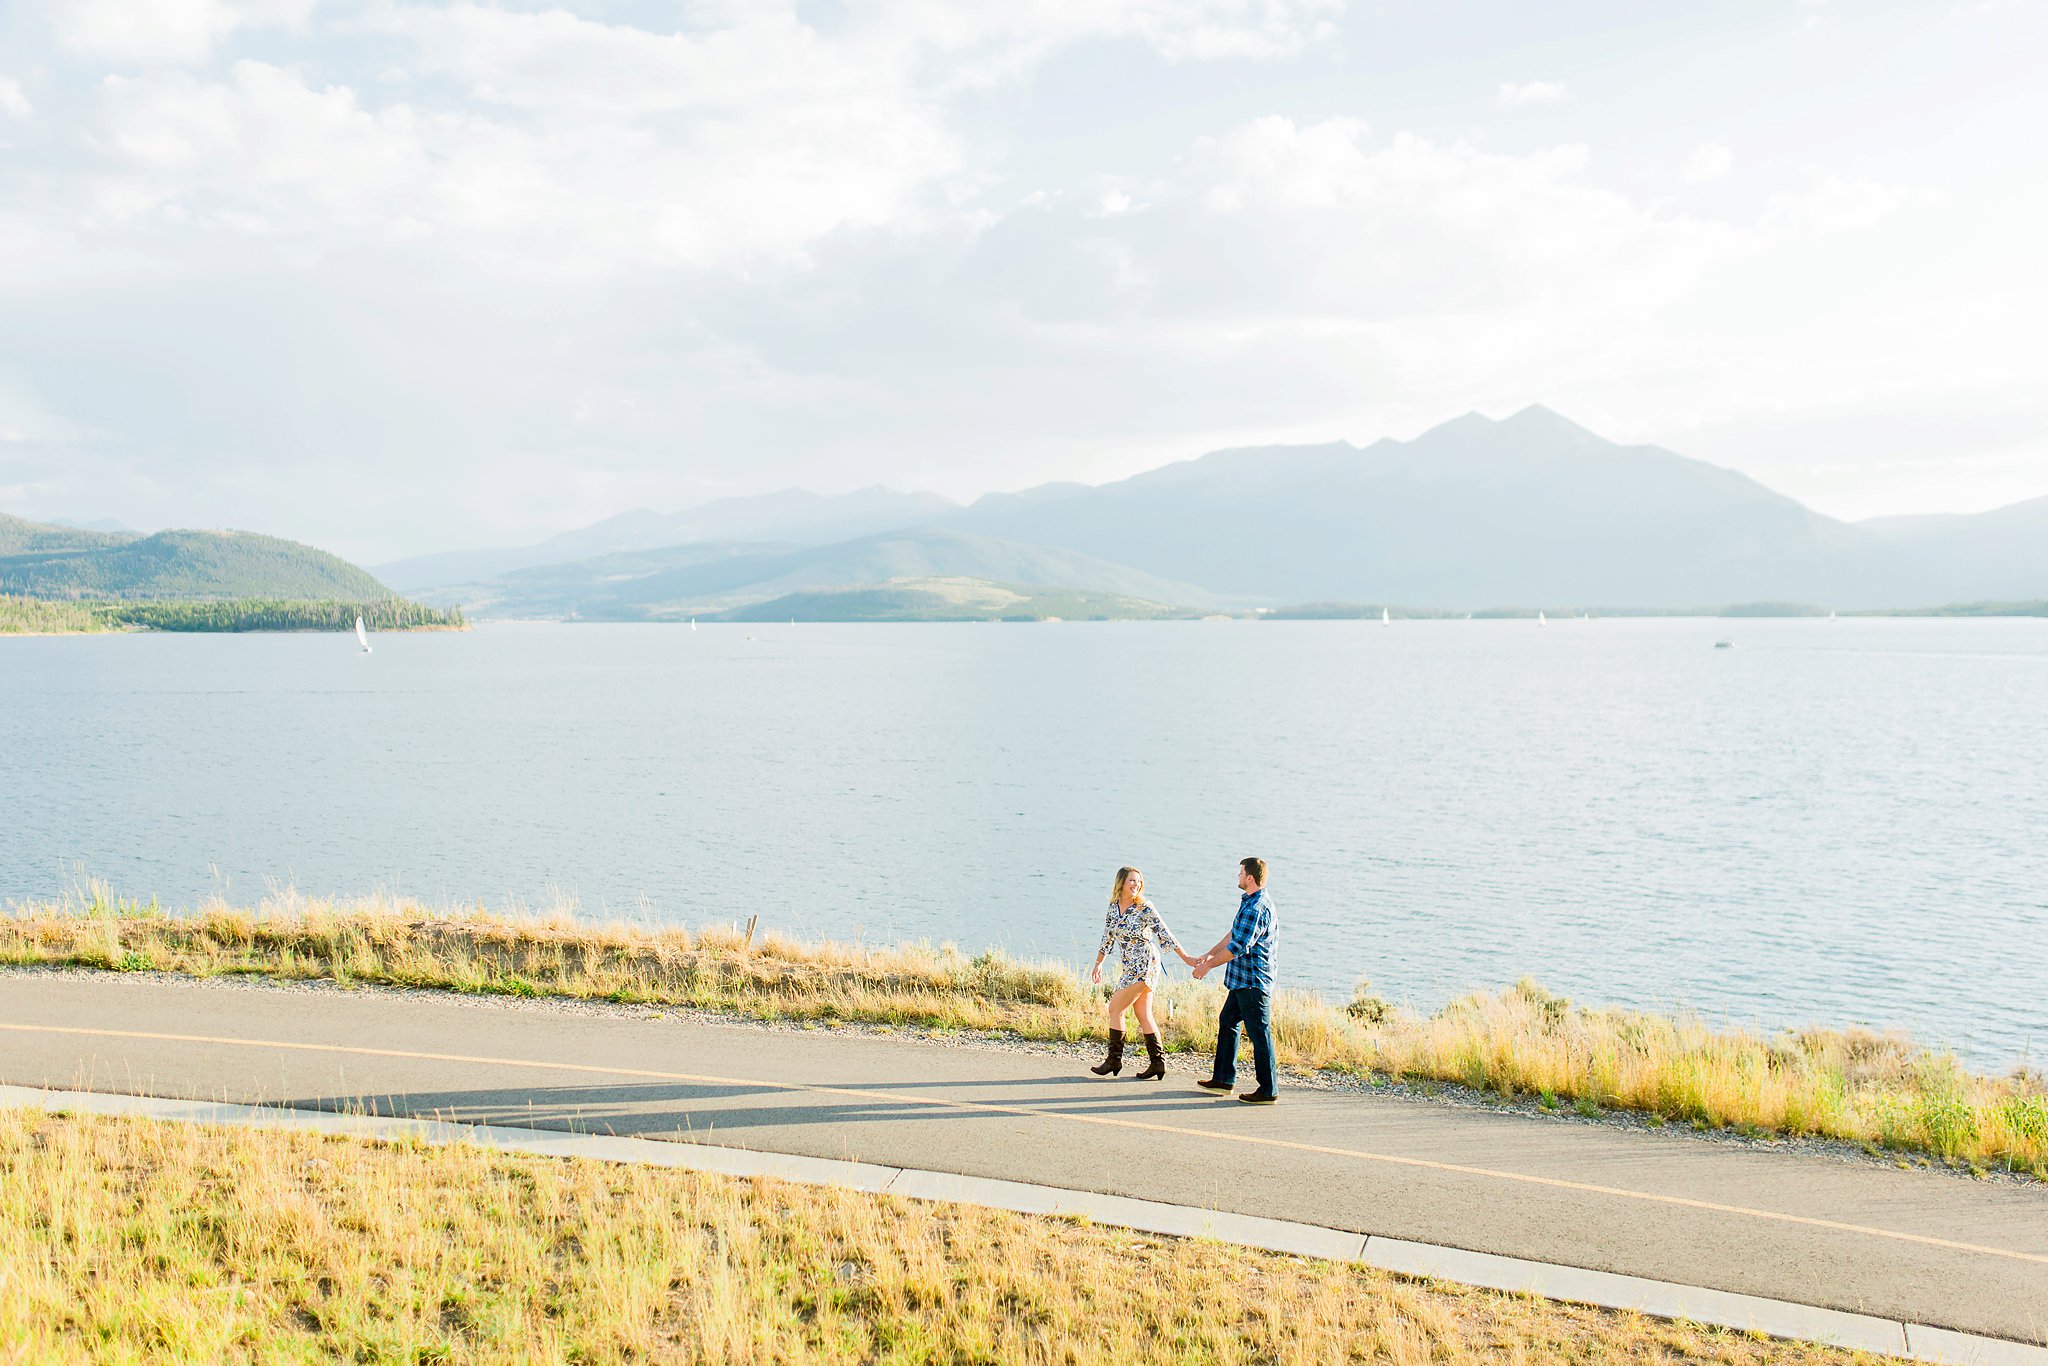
x,y
178,565
19,536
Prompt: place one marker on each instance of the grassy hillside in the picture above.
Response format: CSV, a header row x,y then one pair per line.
x,y
954,599
133,1240
182,565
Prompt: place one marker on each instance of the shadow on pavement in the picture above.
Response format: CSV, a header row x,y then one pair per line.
x,y
670,1109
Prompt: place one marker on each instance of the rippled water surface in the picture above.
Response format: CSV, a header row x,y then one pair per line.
x,y
1830,822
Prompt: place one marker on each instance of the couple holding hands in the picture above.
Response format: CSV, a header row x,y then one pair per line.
x,y
1133,928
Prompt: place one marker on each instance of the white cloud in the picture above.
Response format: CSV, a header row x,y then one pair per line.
x,y
258,151
165,32
1446,227
568,67
585,146
264,150
579,262
1276,162
1835,205
1513,95
986,42
14,102
1709,161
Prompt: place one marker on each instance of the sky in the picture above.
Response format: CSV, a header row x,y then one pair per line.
x,y
391,277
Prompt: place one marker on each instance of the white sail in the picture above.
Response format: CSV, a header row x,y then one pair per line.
x,y
362,636
1540,619
693,623
1383,616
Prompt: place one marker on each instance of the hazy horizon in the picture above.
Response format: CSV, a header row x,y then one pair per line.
x,y
713,499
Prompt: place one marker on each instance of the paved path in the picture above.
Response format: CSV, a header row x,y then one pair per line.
x,y
1923,1246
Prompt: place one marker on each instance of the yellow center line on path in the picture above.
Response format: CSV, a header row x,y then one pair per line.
x,y
1036,1112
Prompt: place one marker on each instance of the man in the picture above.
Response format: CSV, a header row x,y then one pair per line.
x,y
1248,980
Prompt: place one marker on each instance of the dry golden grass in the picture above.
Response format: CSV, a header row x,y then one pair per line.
x,y
1878,1090
128,1240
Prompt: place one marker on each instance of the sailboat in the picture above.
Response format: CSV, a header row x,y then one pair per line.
x,y
693,623
1383,617
362,636
1541,620
1831,614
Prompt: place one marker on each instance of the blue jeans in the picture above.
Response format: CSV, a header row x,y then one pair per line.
x,y
1250,1007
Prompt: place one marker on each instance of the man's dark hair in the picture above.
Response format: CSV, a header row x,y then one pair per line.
x,y
1256,867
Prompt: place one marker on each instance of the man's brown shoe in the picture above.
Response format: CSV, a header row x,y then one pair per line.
x,y
1258,1098
1211,1084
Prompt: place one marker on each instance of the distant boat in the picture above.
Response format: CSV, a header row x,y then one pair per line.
x,y
1724,644
693,623
1383,616
1831,615
362,636
1468,616
1541,620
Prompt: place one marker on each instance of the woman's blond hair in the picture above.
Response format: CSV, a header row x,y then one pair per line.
x,y
1123,875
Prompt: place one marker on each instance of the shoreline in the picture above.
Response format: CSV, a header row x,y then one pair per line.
x,y
1422,619
1532,1051
135,630
2023,612
36,616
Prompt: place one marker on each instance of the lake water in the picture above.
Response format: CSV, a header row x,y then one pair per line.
x,y
1837,823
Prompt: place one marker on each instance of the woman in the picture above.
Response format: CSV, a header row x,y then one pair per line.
x,y
1136,930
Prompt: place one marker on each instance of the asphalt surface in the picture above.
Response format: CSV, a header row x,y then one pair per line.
x,y
1929,1247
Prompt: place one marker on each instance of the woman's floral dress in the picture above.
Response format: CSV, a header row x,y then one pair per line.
x,y
1138,934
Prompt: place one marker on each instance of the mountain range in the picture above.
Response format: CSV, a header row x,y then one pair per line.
x,y
1530,510
702,579
793,517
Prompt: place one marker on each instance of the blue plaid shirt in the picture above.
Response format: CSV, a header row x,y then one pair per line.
x,y
1251,943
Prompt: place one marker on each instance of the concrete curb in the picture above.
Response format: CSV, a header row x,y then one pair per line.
x,y
1606,1290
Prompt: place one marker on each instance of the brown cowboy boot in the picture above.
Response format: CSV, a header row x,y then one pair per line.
x,y
1114,1063
1155,1066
